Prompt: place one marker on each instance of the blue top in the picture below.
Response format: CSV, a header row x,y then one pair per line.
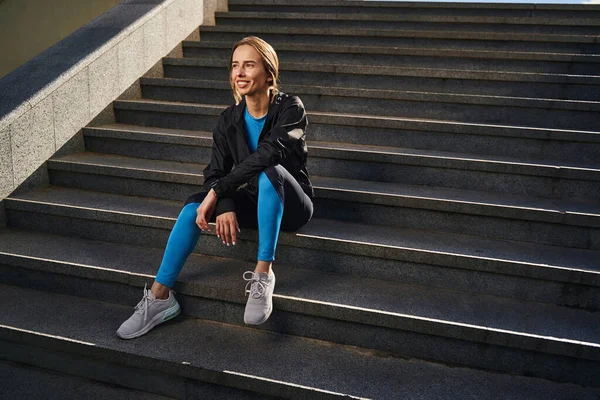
x,y
253,127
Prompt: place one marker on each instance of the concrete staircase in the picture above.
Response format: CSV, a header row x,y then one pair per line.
x,y
455,247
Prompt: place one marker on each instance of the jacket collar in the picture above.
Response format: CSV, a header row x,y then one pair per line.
x,y
238,112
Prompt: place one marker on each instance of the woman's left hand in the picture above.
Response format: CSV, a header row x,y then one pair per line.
x,y
227,227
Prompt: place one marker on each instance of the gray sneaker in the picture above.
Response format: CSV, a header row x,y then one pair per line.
x,y
148,313
260,300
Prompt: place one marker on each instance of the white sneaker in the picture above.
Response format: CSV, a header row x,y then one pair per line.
x,y
260,300
148,313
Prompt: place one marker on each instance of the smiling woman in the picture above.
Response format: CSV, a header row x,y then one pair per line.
x,y
247,55
257,178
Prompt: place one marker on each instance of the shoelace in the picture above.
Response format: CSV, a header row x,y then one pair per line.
x,y
255,287
142,306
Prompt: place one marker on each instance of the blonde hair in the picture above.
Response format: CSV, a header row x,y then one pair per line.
x,y
270,62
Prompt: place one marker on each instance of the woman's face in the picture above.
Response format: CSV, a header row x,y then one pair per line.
x,y
248,72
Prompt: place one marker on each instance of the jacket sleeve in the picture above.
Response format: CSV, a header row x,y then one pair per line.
x,y
220,165
278,144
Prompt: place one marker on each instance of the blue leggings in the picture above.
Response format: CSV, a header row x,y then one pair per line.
x,y
277,190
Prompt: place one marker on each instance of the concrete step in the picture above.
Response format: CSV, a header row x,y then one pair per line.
x,y
528,271
126,175
523,111
566,14
395,164
511,175
404,311
21,381
182,146
443,135
514,84
398,20
482,60
217,354
561,223
464,40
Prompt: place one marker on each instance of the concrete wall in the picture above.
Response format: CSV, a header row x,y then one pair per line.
x,y
45,102
31,26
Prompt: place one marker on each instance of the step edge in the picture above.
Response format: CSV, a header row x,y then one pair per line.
x,y
348,313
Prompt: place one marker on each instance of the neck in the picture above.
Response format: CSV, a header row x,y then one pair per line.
x,y
258,105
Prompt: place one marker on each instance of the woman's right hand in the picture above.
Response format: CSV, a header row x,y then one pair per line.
x,y
205,210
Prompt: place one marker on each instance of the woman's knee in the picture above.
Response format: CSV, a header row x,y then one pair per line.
x,y
273,177
188,212
276,174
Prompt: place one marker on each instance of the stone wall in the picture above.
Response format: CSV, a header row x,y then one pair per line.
x,y
45,102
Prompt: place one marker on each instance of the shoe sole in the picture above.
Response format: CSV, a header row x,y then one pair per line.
x,y
158,319
269,311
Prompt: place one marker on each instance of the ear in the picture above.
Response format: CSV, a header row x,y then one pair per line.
x,y
269,79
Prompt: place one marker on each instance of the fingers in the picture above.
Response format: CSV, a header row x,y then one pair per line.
x,y
227,228
234,230
201,220
226,234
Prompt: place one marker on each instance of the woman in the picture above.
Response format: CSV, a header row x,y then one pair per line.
x,y
256,178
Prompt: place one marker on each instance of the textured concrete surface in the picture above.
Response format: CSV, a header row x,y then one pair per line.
x,y
481,109
392,19
309,320
415,173
32,140
357,201
131,167
403,94
221,279
118,379
23,382
547,86
104,80
155,39
472,202
6,163
69,119
348,121
219,347
390,36
177,14
289,70
348,209
486,8
424,28
150,150
375,241
446,136
132,57
151,134
443,57
408,82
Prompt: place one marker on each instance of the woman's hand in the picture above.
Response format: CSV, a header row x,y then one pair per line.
x,y
205,210
227,227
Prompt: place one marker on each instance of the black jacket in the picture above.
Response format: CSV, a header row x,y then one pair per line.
x,y
282,141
